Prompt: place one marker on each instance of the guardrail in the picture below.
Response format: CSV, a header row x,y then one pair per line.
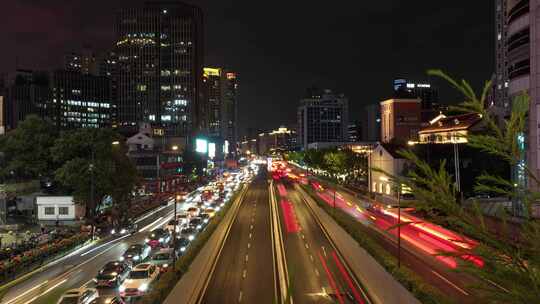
x,y
280,259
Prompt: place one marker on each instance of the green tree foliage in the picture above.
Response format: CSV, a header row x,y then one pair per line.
x,y
334,161
27,149
87,157
511,271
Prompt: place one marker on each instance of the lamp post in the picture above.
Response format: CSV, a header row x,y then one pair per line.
x,y
334,202
176,199
399,224
92,166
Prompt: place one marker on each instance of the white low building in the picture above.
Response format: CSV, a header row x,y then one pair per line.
x,y
58,208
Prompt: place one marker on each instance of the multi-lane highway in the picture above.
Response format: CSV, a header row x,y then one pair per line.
x,y
317,272
244,272
80,267
420,249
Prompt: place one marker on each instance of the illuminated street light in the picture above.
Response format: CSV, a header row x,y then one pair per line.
x,y
175,147
116,143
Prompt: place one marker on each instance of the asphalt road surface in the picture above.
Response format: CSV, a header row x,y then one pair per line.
x,y
79,268
244,271
316,272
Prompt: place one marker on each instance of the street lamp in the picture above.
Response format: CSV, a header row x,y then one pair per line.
x,y
399,224
176,199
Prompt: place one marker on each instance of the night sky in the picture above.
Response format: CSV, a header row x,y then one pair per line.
x,y
280,48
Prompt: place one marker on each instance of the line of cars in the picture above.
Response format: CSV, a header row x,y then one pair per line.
x,y
133,274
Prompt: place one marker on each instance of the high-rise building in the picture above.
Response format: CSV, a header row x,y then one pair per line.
x,y
500,79
160,51
220,91
354,131
428,95
83,62
371,123
213,92
27,92
400,119
80,100
517,34
230,114
69,99
322,117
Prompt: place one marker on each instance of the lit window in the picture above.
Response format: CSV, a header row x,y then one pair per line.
x,y
165,88
180,102
141,87
165,117
152,117
388,189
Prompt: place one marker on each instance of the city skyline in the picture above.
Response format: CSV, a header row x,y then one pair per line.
x,y
240,39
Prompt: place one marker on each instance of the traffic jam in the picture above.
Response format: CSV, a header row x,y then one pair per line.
x,y
131,275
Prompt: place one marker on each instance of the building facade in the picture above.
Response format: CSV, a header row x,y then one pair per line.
x,y
80,100
400,119
371,124
230,116
27,92
354,131
322,117
160,52
517,36
84,62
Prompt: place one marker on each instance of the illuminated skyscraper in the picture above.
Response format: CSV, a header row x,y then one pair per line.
x,y
160,52
219,116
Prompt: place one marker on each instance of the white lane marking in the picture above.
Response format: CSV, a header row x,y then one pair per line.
x,y
250,235
166,220
244,274
251,227
303,236
246,258
152,213
307,246
324,251
497,285
103,245
249,245
451,284
240,297
26,292
46,291
150,225
89,281
317,272
311,258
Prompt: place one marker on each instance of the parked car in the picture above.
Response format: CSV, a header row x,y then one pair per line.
x,y
136,253
163,259
108,300
158,238
139,280
112,274
81,295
